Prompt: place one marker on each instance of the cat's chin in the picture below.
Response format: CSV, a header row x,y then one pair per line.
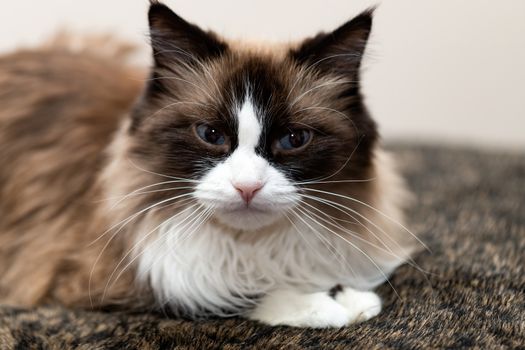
x,y
247,219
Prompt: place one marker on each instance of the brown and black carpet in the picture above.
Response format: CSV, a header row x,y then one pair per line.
x,y
470,212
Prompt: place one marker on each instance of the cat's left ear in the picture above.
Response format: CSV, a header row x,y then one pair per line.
x,y
174,40
340,51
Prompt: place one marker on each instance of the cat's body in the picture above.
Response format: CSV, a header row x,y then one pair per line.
x,y
244,181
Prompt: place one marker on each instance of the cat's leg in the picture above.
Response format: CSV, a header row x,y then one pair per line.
x,y
317,310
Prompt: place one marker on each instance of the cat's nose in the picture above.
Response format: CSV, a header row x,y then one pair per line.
x,y
248,190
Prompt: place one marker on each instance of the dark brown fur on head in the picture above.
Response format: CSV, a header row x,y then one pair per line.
x,y
198,77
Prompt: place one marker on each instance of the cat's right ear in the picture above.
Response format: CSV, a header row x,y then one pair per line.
x,y
175,41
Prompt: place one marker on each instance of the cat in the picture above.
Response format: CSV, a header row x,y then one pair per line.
x,y
232,179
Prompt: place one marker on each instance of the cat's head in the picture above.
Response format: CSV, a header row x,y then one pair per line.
x,y
242,129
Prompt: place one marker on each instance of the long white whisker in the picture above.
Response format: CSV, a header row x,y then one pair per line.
x,y
338,255
136,245
135,193
131,217
313,182
358,249
161,175
140,189
192,219
372,208
340,207
386,250
304,238
124,223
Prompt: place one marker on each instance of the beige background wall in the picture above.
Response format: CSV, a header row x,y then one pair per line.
x,y
437,70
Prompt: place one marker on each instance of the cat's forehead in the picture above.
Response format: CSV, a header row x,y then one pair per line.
x,y
274,86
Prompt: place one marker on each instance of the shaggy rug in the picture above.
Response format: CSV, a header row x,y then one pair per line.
x,y
470,211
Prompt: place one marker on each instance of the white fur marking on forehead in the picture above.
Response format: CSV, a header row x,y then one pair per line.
x,y
249,127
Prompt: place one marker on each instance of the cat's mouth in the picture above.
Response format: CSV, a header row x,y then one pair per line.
x,y
245,208
247,217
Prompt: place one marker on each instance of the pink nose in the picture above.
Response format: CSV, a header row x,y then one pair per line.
x,y
248,190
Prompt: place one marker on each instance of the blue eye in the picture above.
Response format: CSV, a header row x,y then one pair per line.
x,y
294,138
210,134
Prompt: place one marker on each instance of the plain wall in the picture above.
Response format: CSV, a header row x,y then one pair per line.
x,y
439,71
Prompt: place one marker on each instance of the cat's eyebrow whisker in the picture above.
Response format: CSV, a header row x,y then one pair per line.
x,y
175,104
328,83
372,208
185,81
138,243
310,67
368,257
194,59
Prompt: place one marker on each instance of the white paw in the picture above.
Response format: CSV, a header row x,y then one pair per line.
x,y
361,306
290,308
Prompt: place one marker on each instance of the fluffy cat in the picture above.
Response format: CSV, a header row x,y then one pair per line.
x,y
238,180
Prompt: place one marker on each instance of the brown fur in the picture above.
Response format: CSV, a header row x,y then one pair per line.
x,y
59,112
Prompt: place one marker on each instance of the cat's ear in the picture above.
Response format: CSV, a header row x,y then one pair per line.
x,y
174,40
340,51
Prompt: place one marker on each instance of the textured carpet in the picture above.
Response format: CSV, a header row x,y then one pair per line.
x,y
470,211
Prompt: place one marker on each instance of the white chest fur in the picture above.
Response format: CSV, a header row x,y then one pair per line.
x,y
209,270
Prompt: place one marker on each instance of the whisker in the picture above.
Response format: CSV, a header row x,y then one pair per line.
x,y
338,255
355,235
357,221
304,238
409,260
340,207
313,182
308,69
374,209
176,104
204,215
139,189
359,250
124,223
136,245
131,217
162,175
196,60
328,83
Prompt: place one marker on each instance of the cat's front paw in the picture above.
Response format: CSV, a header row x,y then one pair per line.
x,y
361,306
317,310
290,308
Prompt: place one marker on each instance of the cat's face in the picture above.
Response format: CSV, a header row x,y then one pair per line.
x,y
244,130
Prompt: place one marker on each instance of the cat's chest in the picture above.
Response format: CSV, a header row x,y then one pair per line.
x,y
282,257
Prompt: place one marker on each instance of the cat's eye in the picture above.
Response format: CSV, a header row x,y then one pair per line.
x,y
294,139
211,134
